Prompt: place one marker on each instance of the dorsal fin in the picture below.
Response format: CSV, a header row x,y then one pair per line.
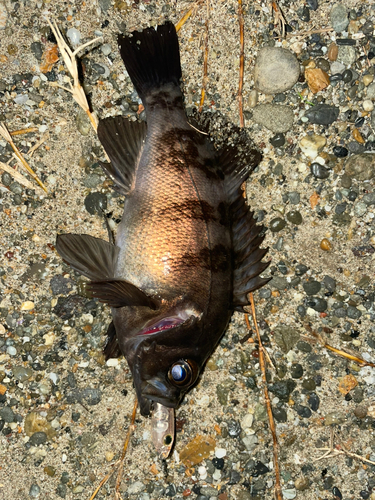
x,y
92,257
123,141
246,237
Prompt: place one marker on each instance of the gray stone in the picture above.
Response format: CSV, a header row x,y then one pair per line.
x,y
274,117
7,414
22,373
286,337
311,287
371,93
360,209
276,70
83,122
361,167
34,491
369,199
38,438
339,17
322,114
347,54
92,181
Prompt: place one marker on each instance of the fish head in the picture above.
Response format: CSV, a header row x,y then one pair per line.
x,y
163,352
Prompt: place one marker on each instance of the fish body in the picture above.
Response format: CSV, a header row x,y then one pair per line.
x,y
187,249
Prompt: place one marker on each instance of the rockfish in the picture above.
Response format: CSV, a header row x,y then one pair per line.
x,y
187,250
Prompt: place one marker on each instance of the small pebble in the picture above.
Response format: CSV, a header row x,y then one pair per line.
x,y
74,36
277,224
339,17
368,105
220,452
276,70
311,145
325,245
34,491
319,171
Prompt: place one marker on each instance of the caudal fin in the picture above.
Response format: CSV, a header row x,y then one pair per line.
x,y
151,57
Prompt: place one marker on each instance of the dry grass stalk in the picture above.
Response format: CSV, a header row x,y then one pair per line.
x,y
332,451
186,16
205,63
69,58
242,62
262,364
279,18
119,465
17,176
6,135
38,144
24,131
351,357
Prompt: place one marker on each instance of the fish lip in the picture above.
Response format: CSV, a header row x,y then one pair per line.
x,y
154,390
175,322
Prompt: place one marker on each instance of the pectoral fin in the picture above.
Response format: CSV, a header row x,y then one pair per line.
x,y
92,257
123,141
120,293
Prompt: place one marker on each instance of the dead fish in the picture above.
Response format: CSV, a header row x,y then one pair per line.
x,y
187,250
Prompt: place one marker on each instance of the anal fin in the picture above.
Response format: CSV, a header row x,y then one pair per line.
x,y
111,348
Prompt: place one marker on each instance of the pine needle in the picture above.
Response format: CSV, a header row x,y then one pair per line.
x,y
17,176
70,61
186,16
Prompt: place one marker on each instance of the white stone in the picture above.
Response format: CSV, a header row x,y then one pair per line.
x,y
247,421
74,36
220,452
368,105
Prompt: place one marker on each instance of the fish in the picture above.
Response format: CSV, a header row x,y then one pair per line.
x,y
188,249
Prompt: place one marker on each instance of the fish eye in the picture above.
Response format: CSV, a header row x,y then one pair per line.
x,y
181,373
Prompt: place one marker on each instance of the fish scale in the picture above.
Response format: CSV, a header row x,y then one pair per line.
x,y
187,250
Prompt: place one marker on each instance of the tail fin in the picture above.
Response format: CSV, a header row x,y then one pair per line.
x,y
151,57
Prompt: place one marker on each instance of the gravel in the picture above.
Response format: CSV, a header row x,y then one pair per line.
x,y
64,411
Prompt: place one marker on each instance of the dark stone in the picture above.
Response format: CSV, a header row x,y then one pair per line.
x,y
322,114
95,203
61,285
61,490
280,415
340,151
67,307
336,493
319,171
170,490
278,140
312,4
314,401
218,463
329,283
7,414
303,411
304,14
38,438
312,287
234,477
234,428
352,196
296,370
341,207
345,41
301,310
277,224
304,346
353,312
283,388
318,304
301,269
256,468
295,217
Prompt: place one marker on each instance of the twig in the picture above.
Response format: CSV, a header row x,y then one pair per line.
x,y
17,176
332,452
186,16
344,354
205,63
6,135
242,60
120,462
262,365
69,58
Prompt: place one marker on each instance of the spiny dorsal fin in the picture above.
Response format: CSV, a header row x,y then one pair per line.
x,y
120,293
92,257
246,240
123,141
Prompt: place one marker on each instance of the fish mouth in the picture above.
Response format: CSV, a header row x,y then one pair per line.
x,y
158,392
